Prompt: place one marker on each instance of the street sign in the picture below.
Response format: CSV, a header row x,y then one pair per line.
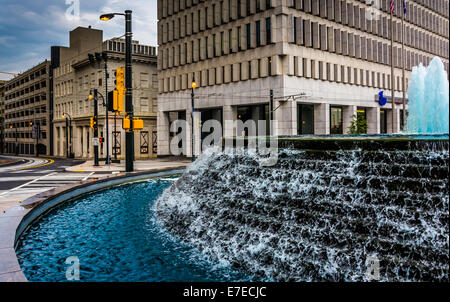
x,y
95,141
35,134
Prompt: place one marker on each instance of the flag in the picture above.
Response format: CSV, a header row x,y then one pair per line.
x,y
392,7
404,7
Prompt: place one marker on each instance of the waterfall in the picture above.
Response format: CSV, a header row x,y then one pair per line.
x,y
318,215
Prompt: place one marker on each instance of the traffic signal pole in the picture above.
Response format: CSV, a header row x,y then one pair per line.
x,y
96,164
105,58
129,135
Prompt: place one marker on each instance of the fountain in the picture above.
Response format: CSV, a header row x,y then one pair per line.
x,y
428,99
321,212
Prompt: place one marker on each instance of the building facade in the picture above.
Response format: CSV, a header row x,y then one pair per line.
x,y
2,116
75,76
325,61
27,112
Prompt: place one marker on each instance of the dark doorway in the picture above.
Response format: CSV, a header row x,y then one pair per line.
x,y
256,113
336,125
305,119
210,114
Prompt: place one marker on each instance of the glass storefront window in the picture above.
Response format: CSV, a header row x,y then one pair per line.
x,y
336,120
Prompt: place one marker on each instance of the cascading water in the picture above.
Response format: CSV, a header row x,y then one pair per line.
x,y
428,93
318,215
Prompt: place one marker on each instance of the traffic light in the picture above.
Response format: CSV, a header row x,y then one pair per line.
x,y
93,122
126,123
138,124
119,91
101,140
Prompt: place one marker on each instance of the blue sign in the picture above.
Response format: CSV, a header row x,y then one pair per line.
x,y
382,100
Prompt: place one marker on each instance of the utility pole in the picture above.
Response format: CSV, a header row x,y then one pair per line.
x,y
192,120
392,68
271,112
105,58
129,135
403,67
96,164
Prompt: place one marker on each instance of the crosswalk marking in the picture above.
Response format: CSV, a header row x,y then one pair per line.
x,y
44,183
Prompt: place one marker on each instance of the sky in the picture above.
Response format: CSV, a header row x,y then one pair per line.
x,y
28,28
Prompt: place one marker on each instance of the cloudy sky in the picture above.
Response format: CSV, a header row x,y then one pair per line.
x,y
29,27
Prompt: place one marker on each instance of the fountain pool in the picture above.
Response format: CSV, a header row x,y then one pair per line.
x,y
116,237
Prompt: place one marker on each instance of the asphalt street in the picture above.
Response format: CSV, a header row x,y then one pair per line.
x,y
29,176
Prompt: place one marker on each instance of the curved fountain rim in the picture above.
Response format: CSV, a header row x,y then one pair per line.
x,y
20,217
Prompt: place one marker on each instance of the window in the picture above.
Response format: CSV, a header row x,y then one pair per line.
x,y
258,33
268,31
249,36
239,39
336,120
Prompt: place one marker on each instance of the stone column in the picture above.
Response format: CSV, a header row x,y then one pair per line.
x,y
347,117
85,142
76,141
229,118
62,141
373,120
322,119
163,128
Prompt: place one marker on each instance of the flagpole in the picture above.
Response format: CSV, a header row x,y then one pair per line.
x,y
403,66
392,70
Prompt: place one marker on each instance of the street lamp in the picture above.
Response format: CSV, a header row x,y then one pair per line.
x,y
129,136
17,143
193,86
68,134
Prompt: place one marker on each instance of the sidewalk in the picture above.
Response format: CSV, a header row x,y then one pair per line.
x,y
139,165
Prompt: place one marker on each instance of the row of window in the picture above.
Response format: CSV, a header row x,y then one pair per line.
x,y
301,67
119,46
353,15
239,8
28,112
413,36
235,39
16,83
204,18
30,89
27,101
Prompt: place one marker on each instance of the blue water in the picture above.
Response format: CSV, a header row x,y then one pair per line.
x,y
428,93
116,236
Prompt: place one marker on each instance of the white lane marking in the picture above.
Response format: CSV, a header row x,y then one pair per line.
x,y
90,174
25,184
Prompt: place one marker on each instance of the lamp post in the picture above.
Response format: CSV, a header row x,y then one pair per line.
x,y
93,95
193,86
16,149
129,136
68,134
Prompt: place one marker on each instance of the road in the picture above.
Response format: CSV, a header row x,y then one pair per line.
x,y
30,176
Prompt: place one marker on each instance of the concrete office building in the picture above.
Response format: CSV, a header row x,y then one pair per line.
x,y
75,75
27,104
2,116
325,61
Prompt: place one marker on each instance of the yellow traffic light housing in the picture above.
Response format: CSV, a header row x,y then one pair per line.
x,y
138,124
120,79
93,122
118,100
119,91
126,123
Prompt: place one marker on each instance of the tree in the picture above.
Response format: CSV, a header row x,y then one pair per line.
x,y
358,125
